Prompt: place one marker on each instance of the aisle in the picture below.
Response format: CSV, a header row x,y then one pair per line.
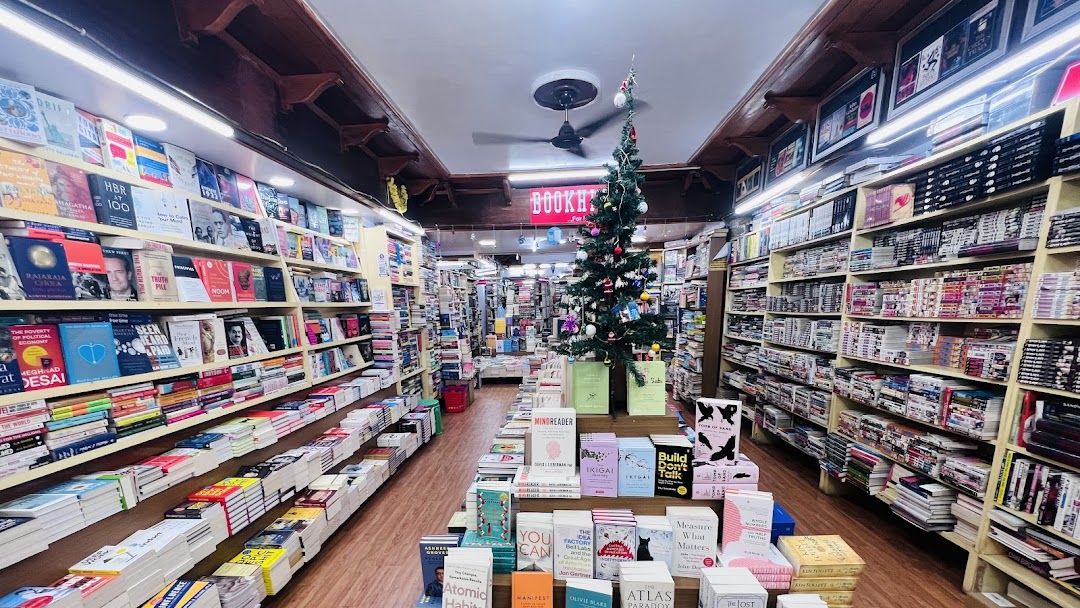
x,y
373,560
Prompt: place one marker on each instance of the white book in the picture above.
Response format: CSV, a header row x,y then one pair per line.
x,y
694,534
654,539
182,172
186,340
60,120
161,212
21,119
747,523
467,578
572,542
646,585
554,440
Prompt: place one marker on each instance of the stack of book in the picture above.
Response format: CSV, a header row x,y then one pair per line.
x,y
169,547
98,498
58,514
187,594
581,592
467,575
138,570
286,540
1044,553
773,572
638,580
599,464
866,469
727,586
309,523
276,570
237,590
968,512
97,590
924,503
20,538
53,597
801,600
231,499
202,524
528,482
615,542
1056,427
822,564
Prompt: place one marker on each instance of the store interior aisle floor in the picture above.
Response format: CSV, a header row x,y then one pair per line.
x,y
373,560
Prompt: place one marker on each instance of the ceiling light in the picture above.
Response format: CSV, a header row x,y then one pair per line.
x,y
280,181
51,41
1051,46
149,124
779,189
557,176
638,238
487,242
350,212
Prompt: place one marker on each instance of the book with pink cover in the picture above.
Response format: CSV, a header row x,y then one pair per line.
x,y
775,567
747,527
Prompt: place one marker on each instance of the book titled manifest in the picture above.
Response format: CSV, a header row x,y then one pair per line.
x,y
20,119
40,356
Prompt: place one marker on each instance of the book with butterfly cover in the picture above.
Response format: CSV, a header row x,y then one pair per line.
x,y
89,352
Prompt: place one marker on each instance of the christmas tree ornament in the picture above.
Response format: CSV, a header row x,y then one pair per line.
x,y
607,361
590,330
633,134
611,337
608,286
570,324
645,296
595,232
643,207
582,255
590,225
618,250
620,99
655,347
570,360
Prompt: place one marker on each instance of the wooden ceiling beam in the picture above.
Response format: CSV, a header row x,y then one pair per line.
x,y
796,109
416,187
450,196
358,135
198,18
751,146
868,49
305,88
724,173
390,166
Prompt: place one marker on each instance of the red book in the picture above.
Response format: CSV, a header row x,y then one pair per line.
x,y
215,277
41,359
243,281
84,257
72,192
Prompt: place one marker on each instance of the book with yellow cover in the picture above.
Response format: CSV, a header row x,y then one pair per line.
x,y
826,583
820,556
237,569
304,513
532,589
25,185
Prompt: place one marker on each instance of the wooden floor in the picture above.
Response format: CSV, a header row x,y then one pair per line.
x,y
373,561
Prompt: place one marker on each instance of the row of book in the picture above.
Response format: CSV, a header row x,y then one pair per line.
x,y
992,292
812,261
748,275
330,287
1049,426
1045,491
808,296
1050,362
800,332
1043,552
832,217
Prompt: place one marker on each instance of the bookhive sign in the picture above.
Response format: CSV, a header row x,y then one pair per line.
x,y
561,205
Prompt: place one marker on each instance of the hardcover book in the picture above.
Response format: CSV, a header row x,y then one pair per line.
x,y
532,590
141,346
182,172
40,356
89,138
554,440
20,119
189,286
820,556
268,237
117,147
88,273
154,276
268,198
61,125
258,275
253,231
243,281
43,268
284,213
589,382
151,161
215,277
120,272
161,212
89,352
113,202
24,184
247,194
296,212
72,192
718,424
275,284
208,182
651,399
226,180
11,287
654,539
215,226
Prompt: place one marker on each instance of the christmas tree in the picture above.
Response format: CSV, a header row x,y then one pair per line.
x,y
610,295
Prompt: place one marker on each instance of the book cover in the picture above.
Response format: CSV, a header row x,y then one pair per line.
x,y
86,263
117,147
39,597
89,138
189,286
253,231
599,467
275,284
236,339
534,545
243,281
40,355
24,184
674,476
268,237
651,399
154,276
654,538
71,190
637,462
186,338
238,237
258,275
61,125
89,352
572,546
283,212
554,440
614,542
820,556
113,202
151,160
747,523
578,597
335,224
296,212
142,347
493,508
268,198
20,119
718,424
532,589
590,387
10,376
215,277
42,268
161,212
120,273
226,180
247,194
182,172
11,287
208,181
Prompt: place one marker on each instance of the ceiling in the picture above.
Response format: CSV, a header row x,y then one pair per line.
x,y
457,67
459,242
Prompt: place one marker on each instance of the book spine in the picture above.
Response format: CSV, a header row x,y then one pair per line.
x,y
75,449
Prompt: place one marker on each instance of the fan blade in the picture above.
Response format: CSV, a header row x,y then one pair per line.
x,y
486,139
589,129
577,151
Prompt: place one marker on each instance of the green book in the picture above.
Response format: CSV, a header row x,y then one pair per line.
x,y
651,399
590,387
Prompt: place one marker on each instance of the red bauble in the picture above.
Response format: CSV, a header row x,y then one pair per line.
x,y
633,133
611,337
618,250
609,287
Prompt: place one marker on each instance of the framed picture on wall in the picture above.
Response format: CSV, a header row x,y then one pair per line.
x,y
1044,15
748,177
849,113
788,153
960,39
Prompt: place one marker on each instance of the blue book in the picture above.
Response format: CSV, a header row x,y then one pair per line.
x,y
275,284
226,180
335,223
77,420
43,268
89,351
433,551
113,203
586,598
426,601
10,376
637,466
202,441
83,487
208,183
80,447
258,273
151,160
141,345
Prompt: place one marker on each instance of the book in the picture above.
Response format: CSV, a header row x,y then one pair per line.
x,y
60,120
598,455
71,191
268,198
717,426
11,287
590,387
532,589
151,161
117,147
113,202
186,339
215,277
24,183
253,232
534,542
87,266
120,273
213,225
39,597
572,544
637,466
181,165
89,138
433,551
747,523
10,376
588,593
226,180
243,281
154,275
40,356
247,194
89,352
275,284
650,399
189,286
554,440
259,278
20,119
694,532
674,475
43,268
820,556
208,182
141,345
161,213
236,339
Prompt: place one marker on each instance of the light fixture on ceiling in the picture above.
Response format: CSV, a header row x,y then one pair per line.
x,y
280,181
638,238
783,187
51,41
562,176
1025,58
148,124
487,242
350,212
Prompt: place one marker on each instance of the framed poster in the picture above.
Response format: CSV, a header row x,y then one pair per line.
x,y
961,38
748,178
788,153
1044,15
849,113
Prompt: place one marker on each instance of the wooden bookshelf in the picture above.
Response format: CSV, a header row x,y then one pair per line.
x,y
624,425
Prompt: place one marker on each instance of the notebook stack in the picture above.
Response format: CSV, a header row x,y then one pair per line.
x,y
231,499
825,565
98,498
238,591
42,596
169,547
201,535
276,571
724,587
187,594
137,570
97,590
20,538
529,483
57,514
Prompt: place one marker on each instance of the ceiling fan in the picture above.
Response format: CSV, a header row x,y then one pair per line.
x,y
564,96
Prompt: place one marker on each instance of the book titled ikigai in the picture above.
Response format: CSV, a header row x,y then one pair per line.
x,y
747,523
554,440
599,458
717,427
637,466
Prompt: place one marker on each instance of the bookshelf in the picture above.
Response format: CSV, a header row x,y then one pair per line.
x,y
989,569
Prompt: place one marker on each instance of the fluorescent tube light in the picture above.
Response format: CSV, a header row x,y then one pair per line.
x,y
51,41
148,124
350,212
486,242
959,92
782,188
557,176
